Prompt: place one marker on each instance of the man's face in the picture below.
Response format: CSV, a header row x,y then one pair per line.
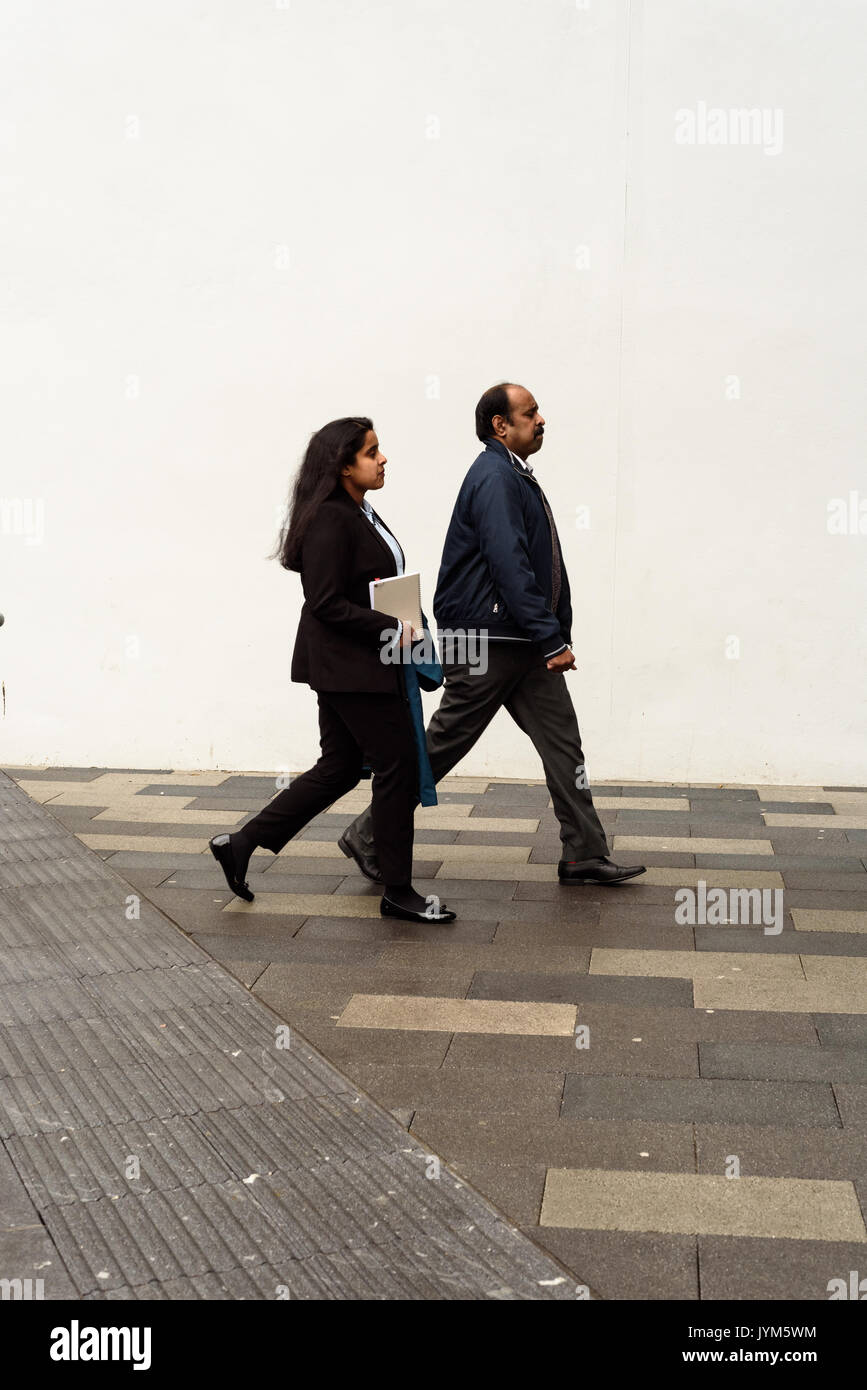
x,y
524,433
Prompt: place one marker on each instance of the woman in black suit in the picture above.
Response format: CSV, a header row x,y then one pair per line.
x,y
339,545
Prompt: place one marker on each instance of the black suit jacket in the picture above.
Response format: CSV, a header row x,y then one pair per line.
x,y
338,644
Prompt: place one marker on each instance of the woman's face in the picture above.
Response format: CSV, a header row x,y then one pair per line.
x,y
368,468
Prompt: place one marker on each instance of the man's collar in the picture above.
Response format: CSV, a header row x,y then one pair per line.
x,y
507,453
522,463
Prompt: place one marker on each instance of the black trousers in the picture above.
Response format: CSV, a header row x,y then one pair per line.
x,y
539,701
354,727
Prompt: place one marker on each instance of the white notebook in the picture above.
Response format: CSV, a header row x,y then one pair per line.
x,y
400,595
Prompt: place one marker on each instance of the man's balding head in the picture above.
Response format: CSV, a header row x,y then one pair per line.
x,y
509,413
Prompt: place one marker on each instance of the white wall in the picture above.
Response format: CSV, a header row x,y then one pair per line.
x,y
227,224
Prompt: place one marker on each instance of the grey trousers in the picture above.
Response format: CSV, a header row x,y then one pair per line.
x,y
538,700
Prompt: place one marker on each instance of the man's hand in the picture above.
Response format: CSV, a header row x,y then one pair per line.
x,y
564,661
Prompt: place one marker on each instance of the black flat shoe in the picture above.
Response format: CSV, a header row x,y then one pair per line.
x,y
221,849
367,863
599,871
390,909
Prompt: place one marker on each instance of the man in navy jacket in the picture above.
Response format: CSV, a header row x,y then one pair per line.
x,y
502,576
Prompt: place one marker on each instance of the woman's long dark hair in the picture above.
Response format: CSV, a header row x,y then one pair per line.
x,y
329,451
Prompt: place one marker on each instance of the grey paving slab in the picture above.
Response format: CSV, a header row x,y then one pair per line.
x,y
754,939
384,929
844,1030
769,1151
852,1101
618,1022
615,989
754,1269
621,1265
826,900
53,774
783,1061
547,989
514,1187
272,949
247,971
347,1047
799,1104
533,1095
600,1143
833,881
839,863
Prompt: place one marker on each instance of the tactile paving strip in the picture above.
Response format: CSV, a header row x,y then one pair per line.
x,y
171,1141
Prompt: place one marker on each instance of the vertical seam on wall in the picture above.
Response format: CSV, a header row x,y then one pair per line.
x,y
619,398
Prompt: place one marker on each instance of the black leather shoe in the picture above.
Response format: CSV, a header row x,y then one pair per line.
x,y
221,849
390,909
600,871
367,863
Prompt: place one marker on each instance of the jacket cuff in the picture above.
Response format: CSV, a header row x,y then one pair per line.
x,y
563,648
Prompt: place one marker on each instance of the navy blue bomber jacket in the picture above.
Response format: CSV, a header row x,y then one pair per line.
x,y
497,571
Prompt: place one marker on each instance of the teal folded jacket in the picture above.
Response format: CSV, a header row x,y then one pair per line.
x,y
418,676
428,675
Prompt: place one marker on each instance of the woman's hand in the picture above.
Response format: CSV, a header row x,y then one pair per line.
x,y
409,634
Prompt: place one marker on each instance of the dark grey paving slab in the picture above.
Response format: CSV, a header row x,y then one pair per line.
x,y
748,1268
826,899
792,839
615,989
799,943
212,877
519,985
275,949
513,1187
842,1030
264,786
622,1265
506,808
382,929
783,1061
494,837
767,1151
780,862
852,1101
601,1143
813,879
794,808
534,1096
53,774
799,1104
247,971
